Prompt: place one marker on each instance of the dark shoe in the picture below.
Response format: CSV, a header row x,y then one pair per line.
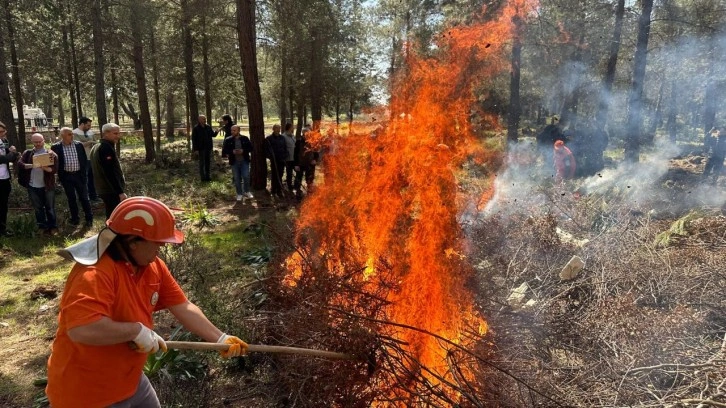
x,y
6,233
51,231
88,224
75,222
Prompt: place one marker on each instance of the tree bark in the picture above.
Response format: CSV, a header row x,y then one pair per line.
x,y
157,91
98,64
607,83
6,110
170,115
74,64
316,77
635,100
515,103
138,56
69,76
672,112
16,77
189,61
206,71
247,38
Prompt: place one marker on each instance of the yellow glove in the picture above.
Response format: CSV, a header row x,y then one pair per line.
x,y
237,347
147,341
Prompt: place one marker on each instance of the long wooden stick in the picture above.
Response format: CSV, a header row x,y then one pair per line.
x,y
259,348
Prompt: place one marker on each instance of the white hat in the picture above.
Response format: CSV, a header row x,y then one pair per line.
x,y
88,251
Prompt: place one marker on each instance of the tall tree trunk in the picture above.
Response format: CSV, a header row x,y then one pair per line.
x,y
138,56
74,64
515,103
188,42
170,115
316,76
61,112
69,76
157,91
572,101
247,38
284,114
98,64
16,76
635,100
710,98
672,112
206,70
607,83
657,115
6,110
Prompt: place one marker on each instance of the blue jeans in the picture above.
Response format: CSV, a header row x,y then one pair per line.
x,y
44,205
241,176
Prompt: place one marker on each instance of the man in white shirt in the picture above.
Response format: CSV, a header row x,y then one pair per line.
x,y
84,134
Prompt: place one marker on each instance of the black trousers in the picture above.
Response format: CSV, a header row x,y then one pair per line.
x,y
205,164
5,188
111,201
289,177
277,170
76,187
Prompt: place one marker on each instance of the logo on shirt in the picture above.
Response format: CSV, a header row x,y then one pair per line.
x,y
154,298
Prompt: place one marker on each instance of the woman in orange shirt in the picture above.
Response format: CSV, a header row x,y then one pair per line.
x,y
118,281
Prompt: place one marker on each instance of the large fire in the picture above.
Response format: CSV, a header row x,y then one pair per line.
x,y
388,206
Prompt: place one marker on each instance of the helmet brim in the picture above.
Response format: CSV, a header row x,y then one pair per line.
x,y
177,238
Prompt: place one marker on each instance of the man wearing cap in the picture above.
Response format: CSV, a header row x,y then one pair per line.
x,y
105,325
109,178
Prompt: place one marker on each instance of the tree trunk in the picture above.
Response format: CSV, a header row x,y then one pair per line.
x,y
572,101
74,64
170,115
98,63
672,112
6,110
710,98
284,114
69,76
61,112
138,56
515,103
157,91
206,71
189,61
16,77
316,77
635,100
247,38
607,83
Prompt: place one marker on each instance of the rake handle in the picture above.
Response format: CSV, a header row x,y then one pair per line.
x,y
259,348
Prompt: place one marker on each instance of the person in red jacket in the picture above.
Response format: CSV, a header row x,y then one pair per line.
x,y
564,162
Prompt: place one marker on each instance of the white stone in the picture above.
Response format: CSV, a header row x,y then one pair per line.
x,y
572,269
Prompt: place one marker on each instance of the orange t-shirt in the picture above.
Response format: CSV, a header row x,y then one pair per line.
x,y
81,375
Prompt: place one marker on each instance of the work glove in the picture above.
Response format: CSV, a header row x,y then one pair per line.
x,y
147,341
237,347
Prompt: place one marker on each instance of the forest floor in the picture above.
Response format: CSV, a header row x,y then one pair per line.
x,y
650,297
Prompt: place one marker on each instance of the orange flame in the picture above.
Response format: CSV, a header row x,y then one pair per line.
x,y
390,199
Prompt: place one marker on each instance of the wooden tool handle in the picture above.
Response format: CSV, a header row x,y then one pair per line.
x,y
258,348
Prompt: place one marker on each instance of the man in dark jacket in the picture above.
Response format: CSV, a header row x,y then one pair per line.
x,y
237,149
73,174
276,151
8,155
37,169
202,145
305,160
107,174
